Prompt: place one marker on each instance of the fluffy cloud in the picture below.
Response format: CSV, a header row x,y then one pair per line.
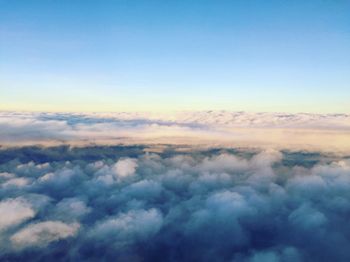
x,y
43,233
125,167
14,211
128,228
71,209
144,203
16,182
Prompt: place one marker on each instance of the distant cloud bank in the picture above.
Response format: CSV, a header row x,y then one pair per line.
x,y
128,204
299,131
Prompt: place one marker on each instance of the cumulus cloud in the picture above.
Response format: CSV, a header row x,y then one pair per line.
x,y
16,182
14,211
5,176
139,203
125,167
43,233
71,209
128,228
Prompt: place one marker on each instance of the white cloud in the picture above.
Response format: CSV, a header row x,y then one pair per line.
x,y
43,233
14,211
16,182
6,175
125,167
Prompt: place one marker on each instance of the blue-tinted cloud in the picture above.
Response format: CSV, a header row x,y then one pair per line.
x,y
213,205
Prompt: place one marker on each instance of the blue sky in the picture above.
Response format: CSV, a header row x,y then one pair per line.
x,y
175,55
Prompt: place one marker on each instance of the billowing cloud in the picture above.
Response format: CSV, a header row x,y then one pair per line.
x,y
43,233
128,228
70,209
173,203
125,167
14,211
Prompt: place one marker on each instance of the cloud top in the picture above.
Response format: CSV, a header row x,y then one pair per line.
x,y
14,211
129,204
43,233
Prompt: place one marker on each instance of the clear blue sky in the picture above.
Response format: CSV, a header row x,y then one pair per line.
x,y
182,54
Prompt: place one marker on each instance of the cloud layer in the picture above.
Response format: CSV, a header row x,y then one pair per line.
x,y
129,204
329,132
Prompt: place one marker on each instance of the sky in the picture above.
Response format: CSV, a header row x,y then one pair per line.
x,y
82,55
